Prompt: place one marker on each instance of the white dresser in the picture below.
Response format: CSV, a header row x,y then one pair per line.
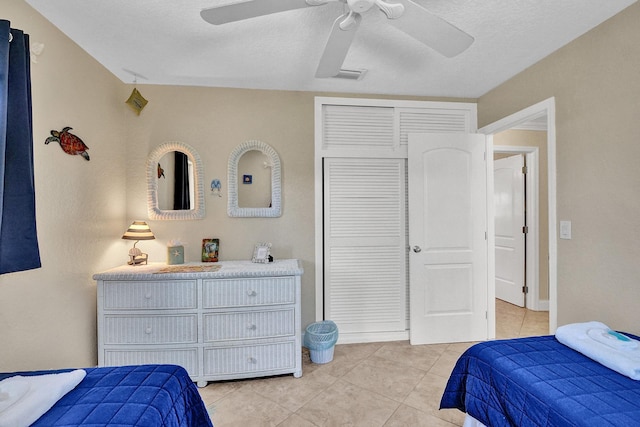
x,y
240,321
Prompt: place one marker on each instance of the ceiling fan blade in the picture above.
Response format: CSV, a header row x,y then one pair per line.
x,y
431,30
338,45
249,9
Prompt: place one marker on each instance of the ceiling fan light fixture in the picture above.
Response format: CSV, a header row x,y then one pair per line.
x,y
406,15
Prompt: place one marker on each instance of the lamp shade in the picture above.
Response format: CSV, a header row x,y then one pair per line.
x,y
138,230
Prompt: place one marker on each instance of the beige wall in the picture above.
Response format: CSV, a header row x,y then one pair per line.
x,y
596,84
47,316
529,138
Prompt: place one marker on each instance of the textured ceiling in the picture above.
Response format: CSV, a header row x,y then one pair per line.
x,y
166,42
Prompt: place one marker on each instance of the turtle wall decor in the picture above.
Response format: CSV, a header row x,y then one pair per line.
x,y
69,142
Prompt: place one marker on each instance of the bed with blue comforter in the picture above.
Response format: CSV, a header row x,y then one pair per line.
x,y
146,395
538,381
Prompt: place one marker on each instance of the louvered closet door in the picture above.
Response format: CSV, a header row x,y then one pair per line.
x,y
365,249
358,129
432,120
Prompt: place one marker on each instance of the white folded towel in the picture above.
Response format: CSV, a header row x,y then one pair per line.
x,y
24,399
598,342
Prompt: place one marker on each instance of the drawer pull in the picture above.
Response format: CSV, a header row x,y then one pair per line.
x,y
252,327
252,293
252,360
148,296
148,330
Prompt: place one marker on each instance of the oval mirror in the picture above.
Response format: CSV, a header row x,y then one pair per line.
x,y
254,181
175,183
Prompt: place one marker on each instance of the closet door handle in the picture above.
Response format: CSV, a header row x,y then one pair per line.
x,y
417,249
252,293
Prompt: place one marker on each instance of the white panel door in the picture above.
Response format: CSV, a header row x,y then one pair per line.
x,y
508,184
447,236
365,246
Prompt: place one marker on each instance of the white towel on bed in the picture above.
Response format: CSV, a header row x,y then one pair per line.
x,y
598,342
24,399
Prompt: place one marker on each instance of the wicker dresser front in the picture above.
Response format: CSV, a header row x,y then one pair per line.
x,y
228,320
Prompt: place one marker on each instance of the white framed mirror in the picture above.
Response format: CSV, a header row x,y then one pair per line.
x,y
162,181
254,181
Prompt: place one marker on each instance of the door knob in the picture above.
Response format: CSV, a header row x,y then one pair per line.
x,y
417,249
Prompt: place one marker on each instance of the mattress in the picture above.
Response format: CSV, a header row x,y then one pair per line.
x,y
146,395
538,381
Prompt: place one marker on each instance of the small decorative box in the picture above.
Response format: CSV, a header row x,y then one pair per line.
x,y
175,255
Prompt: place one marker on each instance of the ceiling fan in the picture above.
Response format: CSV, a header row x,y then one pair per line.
x,y
405,15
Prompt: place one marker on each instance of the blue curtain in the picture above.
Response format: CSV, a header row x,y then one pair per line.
x,y
18,240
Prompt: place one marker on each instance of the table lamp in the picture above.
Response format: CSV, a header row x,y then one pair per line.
x,y
138,230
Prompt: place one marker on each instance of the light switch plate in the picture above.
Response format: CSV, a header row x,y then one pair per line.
x,y
565,230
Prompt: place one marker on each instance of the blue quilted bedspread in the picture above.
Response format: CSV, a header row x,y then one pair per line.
x,y
147,395
540,382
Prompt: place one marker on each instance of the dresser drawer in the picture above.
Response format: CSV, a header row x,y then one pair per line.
x,y
187,358
249,292
248,325
172,294
158,329
249,359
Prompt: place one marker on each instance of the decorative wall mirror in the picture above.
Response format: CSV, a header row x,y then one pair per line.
x,y
175,183
254,181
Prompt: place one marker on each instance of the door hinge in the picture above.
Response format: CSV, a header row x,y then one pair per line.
x,y
524,170
485,235
525,289
525,229
486,314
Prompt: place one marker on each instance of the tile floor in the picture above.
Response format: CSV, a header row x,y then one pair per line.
x,y
387,384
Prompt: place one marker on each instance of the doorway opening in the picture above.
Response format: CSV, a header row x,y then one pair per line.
x,y
540,116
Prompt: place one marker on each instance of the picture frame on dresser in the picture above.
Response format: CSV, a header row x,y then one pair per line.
x,y
210,250
261,253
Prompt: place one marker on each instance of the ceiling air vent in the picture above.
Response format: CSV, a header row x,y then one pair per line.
x,y
350,74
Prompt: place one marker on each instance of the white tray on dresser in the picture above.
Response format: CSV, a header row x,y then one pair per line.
x,y
240,321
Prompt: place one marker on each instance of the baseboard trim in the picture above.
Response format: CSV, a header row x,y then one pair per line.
x,y
543,305
365,337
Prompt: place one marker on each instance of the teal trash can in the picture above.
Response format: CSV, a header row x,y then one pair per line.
x,y
320,338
